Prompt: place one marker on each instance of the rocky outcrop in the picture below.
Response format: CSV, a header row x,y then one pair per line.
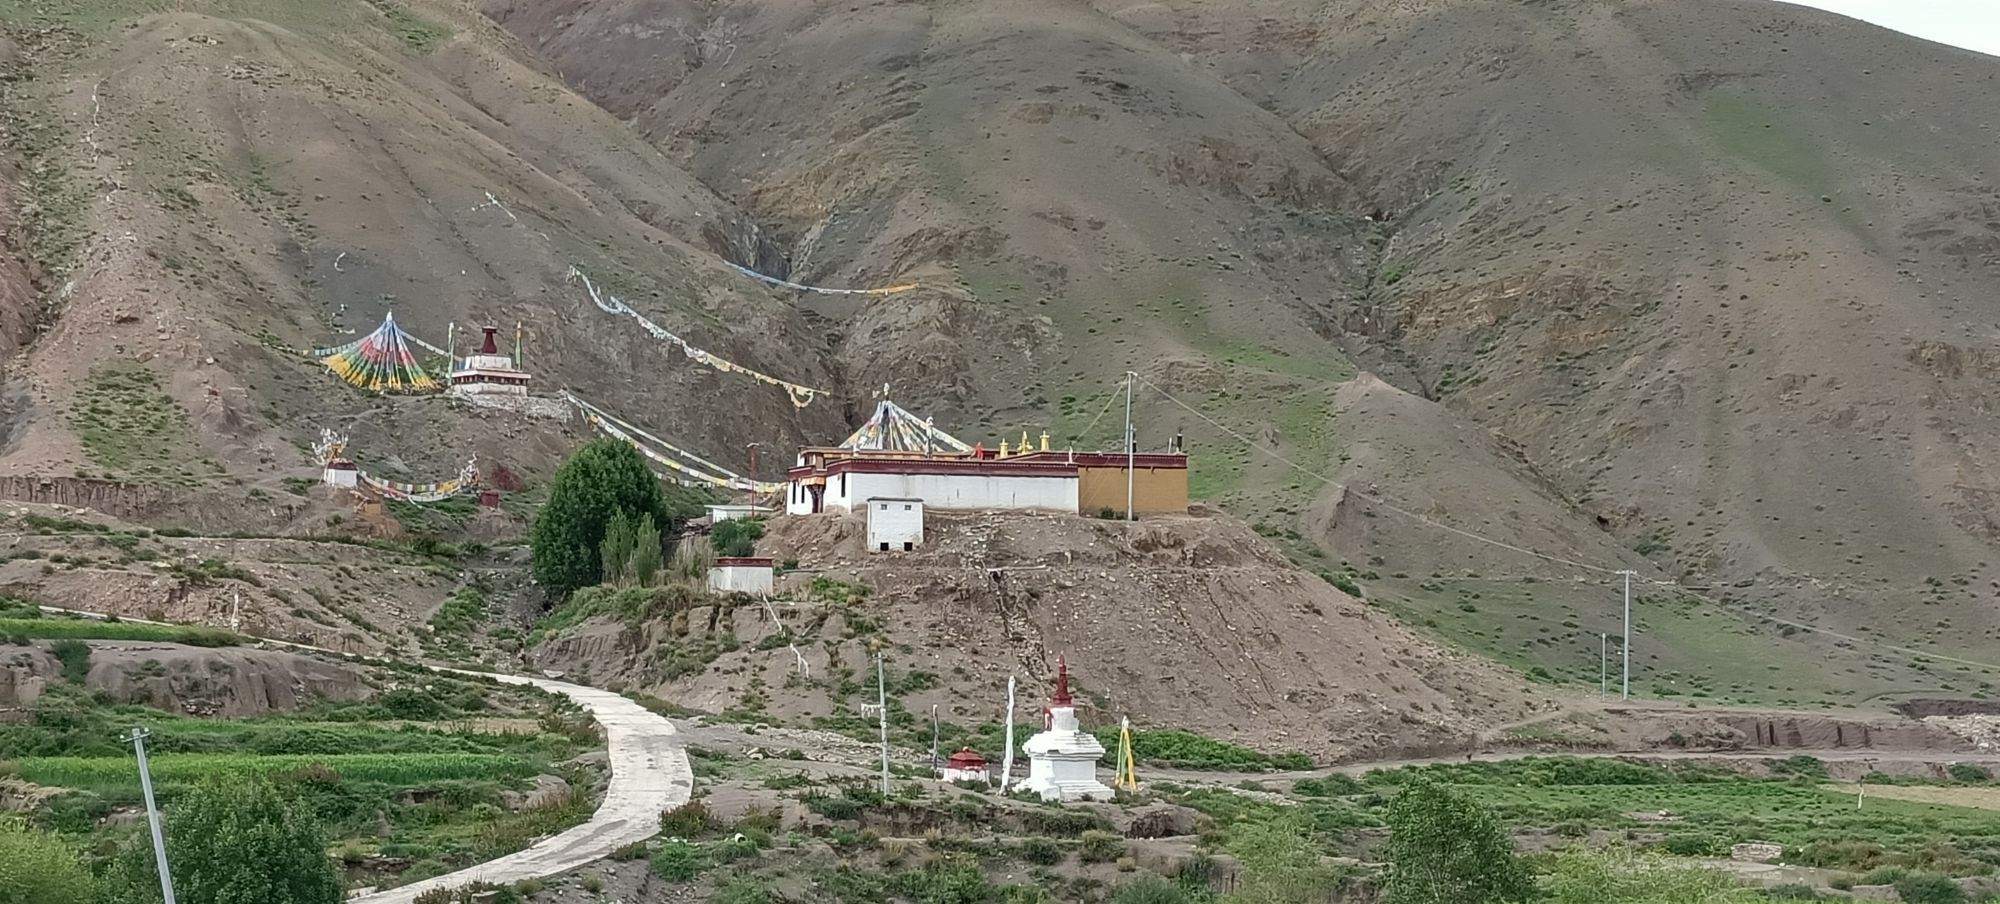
x,y
225,682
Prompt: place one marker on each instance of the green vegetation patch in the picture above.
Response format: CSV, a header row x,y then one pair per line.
x,y
112,774
128,424
87,629
1186,750
422,35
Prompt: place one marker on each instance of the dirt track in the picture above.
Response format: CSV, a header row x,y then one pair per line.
x,y
649,773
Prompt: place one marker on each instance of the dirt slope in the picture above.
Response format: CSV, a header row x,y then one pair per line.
x,y
1193,622
1709,270
1705,272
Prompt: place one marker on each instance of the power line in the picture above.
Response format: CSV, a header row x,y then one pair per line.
x,y
1110,398
1692,594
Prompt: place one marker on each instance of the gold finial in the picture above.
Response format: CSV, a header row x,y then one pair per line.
x,y
1045,441
1024,447
1003,448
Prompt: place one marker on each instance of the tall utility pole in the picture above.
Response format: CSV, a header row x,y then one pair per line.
x,y
1131,442
138,740
1603,664
753,463
1626,652
882,718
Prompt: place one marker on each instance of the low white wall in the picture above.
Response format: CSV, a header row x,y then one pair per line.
x,y
895,522
955,492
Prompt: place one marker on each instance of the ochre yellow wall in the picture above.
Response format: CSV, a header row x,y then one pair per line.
x,y
1154,490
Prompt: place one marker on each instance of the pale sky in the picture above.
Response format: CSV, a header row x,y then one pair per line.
x,y
1972,24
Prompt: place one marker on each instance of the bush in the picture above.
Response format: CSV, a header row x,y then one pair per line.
x,y
1335,785
634,851
1443,847
1150,890
1970,774
1792,892
1040,851
689,820
592,882
1693,844
679,861
1929,888
1099,847
736,537
75,658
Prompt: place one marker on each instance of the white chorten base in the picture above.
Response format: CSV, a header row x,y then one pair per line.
x,y
1066,779
1062,762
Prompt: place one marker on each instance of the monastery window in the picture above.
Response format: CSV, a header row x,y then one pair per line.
x,y
906,508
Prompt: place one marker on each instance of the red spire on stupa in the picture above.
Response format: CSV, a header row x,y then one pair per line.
x,y
1062,697
489,347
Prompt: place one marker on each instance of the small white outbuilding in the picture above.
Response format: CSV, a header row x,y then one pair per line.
x,y
895,524
741,574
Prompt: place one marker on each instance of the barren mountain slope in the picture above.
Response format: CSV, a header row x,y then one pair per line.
x,y
251,187
1720,267
1712,270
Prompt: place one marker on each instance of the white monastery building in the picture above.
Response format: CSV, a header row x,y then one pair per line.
x,y
895,455
895,523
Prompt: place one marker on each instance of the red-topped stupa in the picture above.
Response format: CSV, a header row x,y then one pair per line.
x,y
1062,759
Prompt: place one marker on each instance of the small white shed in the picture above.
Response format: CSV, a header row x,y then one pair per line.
x,y
720,513
740,574
895,524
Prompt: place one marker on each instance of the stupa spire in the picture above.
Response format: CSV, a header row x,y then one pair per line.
x,y
1062,697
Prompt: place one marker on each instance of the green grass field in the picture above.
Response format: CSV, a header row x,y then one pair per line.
x,y
119,774
89,629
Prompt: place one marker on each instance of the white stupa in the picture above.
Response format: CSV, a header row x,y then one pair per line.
x,y
1062,760
489,372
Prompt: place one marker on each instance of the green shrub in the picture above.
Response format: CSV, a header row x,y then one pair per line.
x,y
1099,847
1150,890
1693,844
1040,851
689,820
75,658
1063,823
1792,892
592,882
634,851
736,537
1929,888
1335,785
679,861
836,808
1970,774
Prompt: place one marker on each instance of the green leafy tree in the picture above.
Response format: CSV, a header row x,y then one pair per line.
x,y
38,868
603,478
645,551
615,553
1444,849
1279,863
736,537
234,842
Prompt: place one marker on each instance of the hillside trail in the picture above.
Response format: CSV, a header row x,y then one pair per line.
x,y
650,773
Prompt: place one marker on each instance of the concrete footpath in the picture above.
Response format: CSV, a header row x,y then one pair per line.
x,y
649,773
